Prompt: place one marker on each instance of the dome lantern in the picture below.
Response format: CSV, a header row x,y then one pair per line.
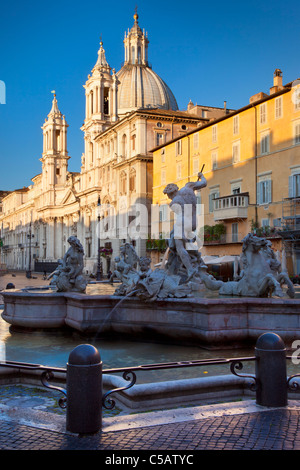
x,y
140,86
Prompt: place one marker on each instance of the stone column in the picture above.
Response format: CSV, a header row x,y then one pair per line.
x,y
58,249
50,238
101,99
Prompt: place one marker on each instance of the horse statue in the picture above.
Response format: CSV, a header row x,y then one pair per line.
x,y
146,284
257,279
275,265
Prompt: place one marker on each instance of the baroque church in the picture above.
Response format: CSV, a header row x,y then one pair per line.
x,y
127,114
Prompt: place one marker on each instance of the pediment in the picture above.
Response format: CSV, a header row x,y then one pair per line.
x,y
68,198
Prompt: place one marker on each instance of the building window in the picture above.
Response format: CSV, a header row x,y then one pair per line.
x,y
178,171
159,139
264,190
234,232
263,113
296,95
235,188
124,145
195,166
91,151
163,177
133,138
106,101
236,124
294,184
163,155
123,182
92,102
278,107
265,143
199,205
132,179
214,160
265,222
163,213
236,152
196,140
58,146
178,147
159,124
277,222
212,196
297,133
214,133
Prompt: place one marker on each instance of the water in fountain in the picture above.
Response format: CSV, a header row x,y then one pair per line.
x,y
52,348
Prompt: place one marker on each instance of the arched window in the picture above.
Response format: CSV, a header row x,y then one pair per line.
x,y
92,102
133,54
132,179
57,138
124,145
123,182
133,138
91,150
106,101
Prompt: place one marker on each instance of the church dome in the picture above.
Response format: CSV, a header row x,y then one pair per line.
x,y
140,86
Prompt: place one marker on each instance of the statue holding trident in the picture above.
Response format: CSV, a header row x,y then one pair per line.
x,y
184,205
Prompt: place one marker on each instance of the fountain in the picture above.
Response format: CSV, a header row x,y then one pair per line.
x,y
178,302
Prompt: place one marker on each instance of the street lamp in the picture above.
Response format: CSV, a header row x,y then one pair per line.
x,y
99,242
29,236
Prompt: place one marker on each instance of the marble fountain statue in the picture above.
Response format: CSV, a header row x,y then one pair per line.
x,y
178,302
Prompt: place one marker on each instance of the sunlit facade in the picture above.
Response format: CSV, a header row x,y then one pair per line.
x,y
252,166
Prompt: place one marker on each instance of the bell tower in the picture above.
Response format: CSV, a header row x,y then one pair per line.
x,y
101,108
55,155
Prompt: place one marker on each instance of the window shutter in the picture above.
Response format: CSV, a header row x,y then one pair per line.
x,y
258,192
269,191
210,202
291,188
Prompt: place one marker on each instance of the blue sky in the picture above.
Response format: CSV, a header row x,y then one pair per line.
x,y
205,51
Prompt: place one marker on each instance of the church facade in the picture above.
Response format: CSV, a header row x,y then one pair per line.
x,y
128,113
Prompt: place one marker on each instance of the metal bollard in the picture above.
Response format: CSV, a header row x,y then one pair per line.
x,y
84,390
270,370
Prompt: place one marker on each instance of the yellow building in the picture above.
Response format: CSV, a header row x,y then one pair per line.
x,y
252,167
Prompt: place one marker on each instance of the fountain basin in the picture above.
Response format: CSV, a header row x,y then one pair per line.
x,y
27,310
208,322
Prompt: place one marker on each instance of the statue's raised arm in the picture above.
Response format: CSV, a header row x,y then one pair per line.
x,y
199,184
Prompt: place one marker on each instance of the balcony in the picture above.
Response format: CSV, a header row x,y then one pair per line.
x,y
234,206
223,239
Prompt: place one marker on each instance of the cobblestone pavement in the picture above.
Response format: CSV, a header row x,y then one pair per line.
x,y
266,430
